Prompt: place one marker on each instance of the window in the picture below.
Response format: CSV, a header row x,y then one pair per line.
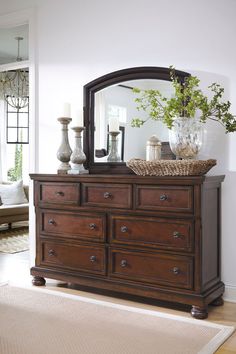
x,y
118,111
17,124
14,143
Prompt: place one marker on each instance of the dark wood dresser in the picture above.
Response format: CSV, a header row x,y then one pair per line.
x,y
155,237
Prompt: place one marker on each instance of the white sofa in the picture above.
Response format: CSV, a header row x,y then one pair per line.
x,y
14,212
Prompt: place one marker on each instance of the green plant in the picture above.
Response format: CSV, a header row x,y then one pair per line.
x,y
15,173
187,100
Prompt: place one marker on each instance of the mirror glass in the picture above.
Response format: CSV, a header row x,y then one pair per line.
x,y
116,105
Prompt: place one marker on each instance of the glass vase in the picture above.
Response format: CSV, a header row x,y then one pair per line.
x,y
185,137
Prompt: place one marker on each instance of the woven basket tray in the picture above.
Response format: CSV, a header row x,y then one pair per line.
x,y
171,167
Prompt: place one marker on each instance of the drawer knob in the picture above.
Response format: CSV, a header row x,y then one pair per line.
x,y
176,270
176,234
92,226
163,197
123,263
51,253
124,229
60,194
107,195
93,259
51,222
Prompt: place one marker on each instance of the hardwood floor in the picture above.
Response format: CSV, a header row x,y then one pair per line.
x,y
14,268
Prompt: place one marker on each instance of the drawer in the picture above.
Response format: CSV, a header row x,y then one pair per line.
x,y
153,268
75,257
73,225
147,231
107,195
169,198
62,193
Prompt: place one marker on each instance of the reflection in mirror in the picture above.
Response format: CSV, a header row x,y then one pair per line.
x,y
115,108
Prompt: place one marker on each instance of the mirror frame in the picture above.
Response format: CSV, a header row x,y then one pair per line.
x,y
116,77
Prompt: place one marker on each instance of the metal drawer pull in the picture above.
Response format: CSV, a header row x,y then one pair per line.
x,y
163,197
124,229
176,234
176,270
93,259
51,253
51,222
61,194
92,226
123,263
107,195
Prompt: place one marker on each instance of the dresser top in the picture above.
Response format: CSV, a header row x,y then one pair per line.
x,y
98,178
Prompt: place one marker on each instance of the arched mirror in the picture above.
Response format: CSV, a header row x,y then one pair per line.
x,y
109,107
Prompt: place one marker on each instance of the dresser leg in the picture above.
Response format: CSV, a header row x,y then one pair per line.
x,y
38,281
199,312
218,302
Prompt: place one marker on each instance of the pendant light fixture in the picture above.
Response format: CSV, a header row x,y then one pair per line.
x,y
14,84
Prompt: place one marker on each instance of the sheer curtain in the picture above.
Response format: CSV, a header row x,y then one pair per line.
x,y
0,163
100,121
2,125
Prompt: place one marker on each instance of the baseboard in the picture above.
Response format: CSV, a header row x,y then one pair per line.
x,y
230,293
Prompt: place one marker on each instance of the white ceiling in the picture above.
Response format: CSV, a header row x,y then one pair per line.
x,y
8,43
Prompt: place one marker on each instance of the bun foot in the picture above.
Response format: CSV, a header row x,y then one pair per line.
x,y
199,313
218,302
38,281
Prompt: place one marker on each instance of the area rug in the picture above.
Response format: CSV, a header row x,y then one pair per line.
x,y
14,240
39,321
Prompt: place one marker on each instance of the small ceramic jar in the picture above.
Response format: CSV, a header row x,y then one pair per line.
x,y
153,149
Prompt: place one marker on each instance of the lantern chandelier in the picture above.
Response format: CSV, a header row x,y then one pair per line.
x,y
14,84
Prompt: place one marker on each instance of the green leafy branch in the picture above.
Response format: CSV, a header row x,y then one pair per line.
x,y
188,98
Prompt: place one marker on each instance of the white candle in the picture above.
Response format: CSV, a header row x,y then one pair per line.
x,y
78,121
66,110
113,124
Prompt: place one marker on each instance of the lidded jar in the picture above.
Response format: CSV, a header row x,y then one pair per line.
x,y
153,149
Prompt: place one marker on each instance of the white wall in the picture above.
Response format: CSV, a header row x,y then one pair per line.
x,y
79,40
